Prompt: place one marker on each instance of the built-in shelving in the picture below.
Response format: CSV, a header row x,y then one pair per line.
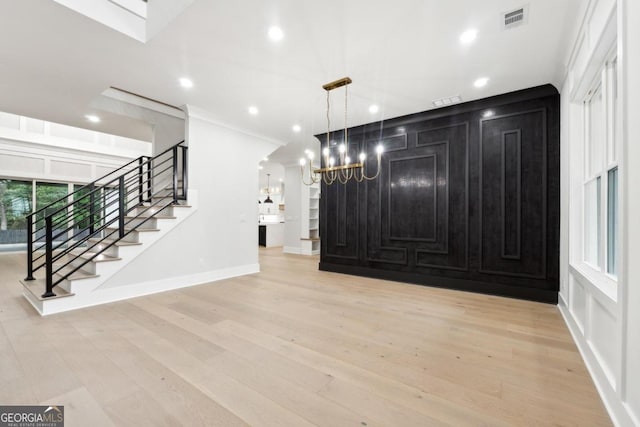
x,y
310,232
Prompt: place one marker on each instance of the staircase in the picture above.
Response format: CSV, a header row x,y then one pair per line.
x,y
79,242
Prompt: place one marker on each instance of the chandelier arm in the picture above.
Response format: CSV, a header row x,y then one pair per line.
x,y
369,178
326,178
313,181
333,175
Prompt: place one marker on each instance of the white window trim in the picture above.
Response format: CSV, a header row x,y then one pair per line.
x,y
598,275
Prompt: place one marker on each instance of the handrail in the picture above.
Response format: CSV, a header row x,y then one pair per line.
x,y
102,208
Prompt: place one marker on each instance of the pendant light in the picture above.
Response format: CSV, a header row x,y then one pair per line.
x,y
268,199
345,168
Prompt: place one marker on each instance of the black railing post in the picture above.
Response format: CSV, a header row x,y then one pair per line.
x,y
149,186
175,174
29,247
185,170
140,182
121,205
49,257
92,208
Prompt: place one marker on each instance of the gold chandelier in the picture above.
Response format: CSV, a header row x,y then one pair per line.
x,y
344,170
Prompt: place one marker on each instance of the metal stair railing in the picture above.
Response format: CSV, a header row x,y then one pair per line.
x,y
76,229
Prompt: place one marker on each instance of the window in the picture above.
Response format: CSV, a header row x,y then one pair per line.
x,y
48,193
15,204
601,174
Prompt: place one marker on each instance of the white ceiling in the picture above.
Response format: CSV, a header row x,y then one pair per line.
x,y
400,54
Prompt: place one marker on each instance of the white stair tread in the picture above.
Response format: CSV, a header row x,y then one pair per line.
x,y
136,229
37,288
107,242
176,205
150,216
99,258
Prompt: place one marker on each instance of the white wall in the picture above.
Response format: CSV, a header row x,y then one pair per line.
x,y
166,121
220,238
35,149
601,314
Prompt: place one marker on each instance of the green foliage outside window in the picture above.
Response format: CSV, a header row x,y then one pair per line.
x,y
15,204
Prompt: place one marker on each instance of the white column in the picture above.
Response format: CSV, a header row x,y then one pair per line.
x,y
629,16
292,208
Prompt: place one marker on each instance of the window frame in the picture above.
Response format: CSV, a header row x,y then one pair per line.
x,y
607,85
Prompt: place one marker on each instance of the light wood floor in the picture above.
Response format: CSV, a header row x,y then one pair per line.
x,y
293,346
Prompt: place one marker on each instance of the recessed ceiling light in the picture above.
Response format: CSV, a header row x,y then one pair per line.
x,y
253,110
481,82
374,109
266,159
92,118
468,36
260,168
296,128
186,82
275,33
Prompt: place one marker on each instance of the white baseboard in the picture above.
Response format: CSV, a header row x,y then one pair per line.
x,y
615,407
103,296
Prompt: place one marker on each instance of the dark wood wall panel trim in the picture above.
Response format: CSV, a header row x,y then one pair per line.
x,y
434,201
518,195
542,273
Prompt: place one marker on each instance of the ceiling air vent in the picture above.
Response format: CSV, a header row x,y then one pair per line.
x,y
443,102
515,18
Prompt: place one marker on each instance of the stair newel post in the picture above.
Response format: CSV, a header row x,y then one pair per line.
x,y
29,247
121,205
185,171
140,180
175,173
92,208
49,256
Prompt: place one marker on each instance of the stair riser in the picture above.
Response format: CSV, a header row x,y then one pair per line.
x,y
131,237
161,201
66,285
111,251
145,223
144,210
89,268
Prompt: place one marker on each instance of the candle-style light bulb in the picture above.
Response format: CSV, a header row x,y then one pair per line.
x,y
302,161
342,148
332,161
347,160
362,157
310,155
379,149
325,151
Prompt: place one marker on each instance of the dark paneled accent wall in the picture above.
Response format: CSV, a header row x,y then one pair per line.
x,y
468,198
